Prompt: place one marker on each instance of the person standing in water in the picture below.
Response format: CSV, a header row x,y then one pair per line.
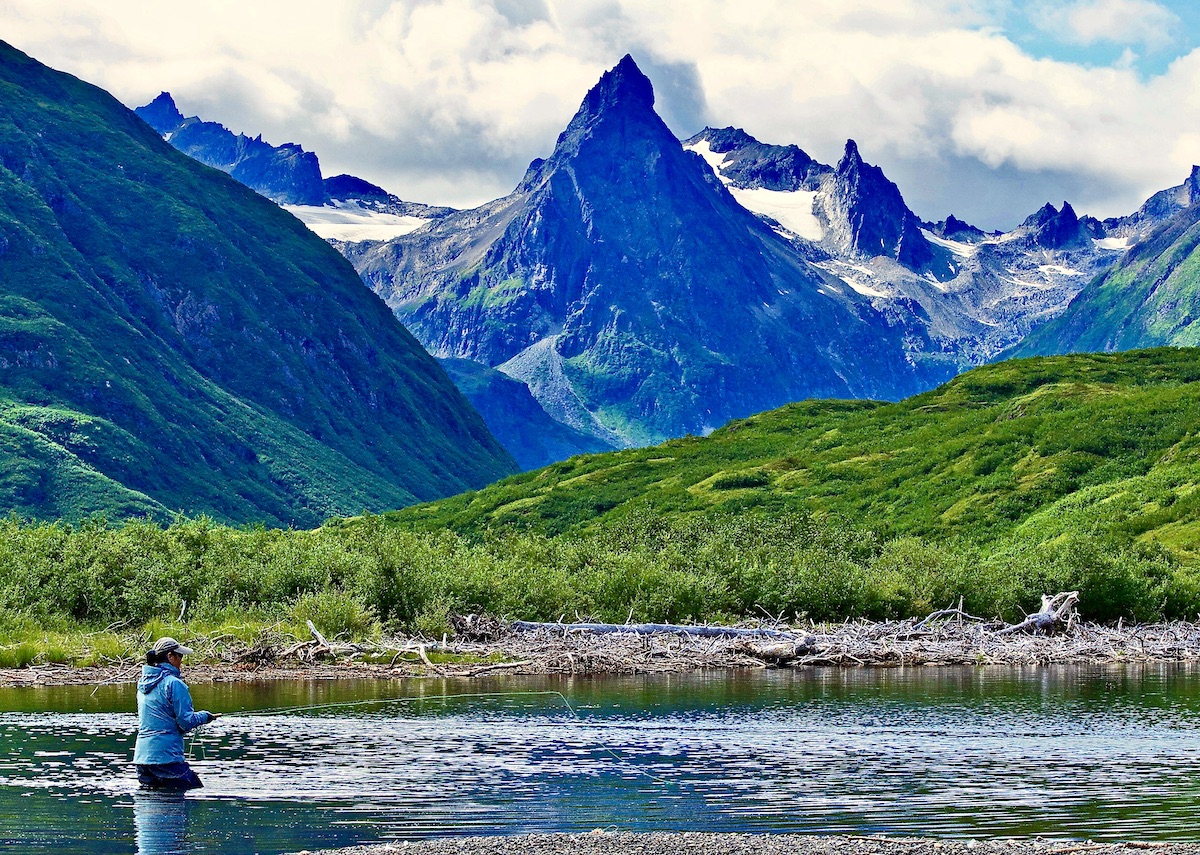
x,y
165,714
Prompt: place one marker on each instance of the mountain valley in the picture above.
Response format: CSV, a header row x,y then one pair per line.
x,y
629,350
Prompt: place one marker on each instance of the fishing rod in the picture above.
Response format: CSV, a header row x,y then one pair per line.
x,y
576,718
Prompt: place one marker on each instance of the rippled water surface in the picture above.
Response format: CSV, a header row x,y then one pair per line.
x,y
1074,752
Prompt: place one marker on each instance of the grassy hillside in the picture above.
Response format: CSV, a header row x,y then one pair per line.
x,y
171,341
1032,476
1025,448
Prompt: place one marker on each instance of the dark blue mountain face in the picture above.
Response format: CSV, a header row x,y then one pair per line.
x,y
161,114
634,295
880,223
518,421
1051,228
351,187
286,174
755,164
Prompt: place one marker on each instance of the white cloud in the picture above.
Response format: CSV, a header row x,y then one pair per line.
x,y
1119,21
447,101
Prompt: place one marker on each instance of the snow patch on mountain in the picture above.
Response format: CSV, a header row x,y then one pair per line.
x,y
1059,270
1112,243
351,221
791,209
712,158
959,248
856,276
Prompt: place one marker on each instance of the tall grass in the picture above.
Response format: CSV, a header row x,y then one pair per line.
x,y
354,579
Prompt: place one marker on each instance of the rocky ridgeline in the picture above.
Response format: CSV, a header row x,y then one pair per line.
x,y
639,294
633,294
974,293
286,174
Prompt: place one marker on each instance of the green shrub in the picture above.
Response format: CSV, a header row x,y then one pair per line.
x,y
335,614
19,655
741,480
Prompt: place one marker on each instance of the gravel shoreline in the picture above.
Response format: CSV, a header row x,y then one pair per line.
x,y
699,843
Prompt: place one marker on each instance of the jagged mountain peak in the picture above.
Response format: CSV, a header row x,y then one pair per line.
x,y
1048,213
162,114
632,292
851,159
616,125
624,86
1060,228
877,221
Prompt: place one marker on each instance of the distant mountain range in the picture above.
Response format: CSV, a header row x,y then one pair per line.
x,y
172,342
342,207
632,294
1150,297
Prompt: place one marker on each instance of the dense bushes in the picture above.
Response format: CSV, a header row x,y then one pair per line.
x,y
354,577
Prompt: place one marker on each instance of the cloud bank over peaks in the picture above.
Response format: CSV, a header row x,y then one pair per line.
x,y
447,101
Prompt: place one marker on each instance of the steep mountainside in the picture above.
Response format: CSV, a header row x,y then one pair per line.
x,y
170,340
516,419
1021,451
340,208
975,293
636,298
1150,298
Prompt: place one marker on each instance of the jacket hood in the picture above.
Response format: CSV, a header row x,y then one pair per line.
x,y
152,675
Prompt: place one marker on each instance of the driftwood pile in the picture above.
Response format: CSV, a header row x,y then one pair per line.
x,y
484,644
1053,634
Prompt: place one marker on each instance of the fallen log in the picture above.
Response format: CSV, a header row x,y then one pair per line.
x,y
653,629
1055,610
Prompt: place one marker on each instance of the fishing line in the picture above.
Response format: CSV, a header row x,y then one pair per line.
x,y
576,718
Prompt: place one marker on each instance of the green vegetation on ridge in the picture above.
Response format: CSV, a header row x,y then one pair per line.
x,y
172,341
1021,449
1013,480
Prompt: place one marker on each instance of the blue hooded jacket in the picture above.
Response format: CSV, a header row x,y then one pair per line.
x,y
165,714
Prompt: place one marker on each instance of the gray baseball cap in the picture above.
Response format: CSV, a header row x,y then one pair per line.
x,y
167,644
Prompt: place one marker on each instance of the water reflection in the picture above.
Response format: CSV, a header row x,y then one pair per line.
x,y
160,823
1104,753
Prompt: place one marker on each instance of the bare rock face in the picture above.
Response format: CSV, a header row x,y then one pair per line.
x,y
286,174
754,164
877,221
633,293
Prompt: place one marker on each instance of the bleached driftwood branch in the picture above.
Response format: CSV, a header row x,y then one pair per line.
x,y
699,631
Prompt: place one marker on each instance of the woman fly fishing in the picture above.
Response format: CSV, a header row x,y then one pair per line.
x,y
165,714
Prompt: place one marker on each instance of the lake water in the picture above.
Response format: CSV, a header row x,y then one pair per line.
x,y
1101,753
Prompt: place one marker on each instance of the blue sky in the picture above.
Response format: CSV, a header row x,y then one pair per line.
x,y
1038,28
985,109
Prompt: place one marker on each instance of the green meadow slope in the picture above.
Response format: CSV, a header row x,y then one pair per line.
x,y
1026,449
1013,480
172,341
